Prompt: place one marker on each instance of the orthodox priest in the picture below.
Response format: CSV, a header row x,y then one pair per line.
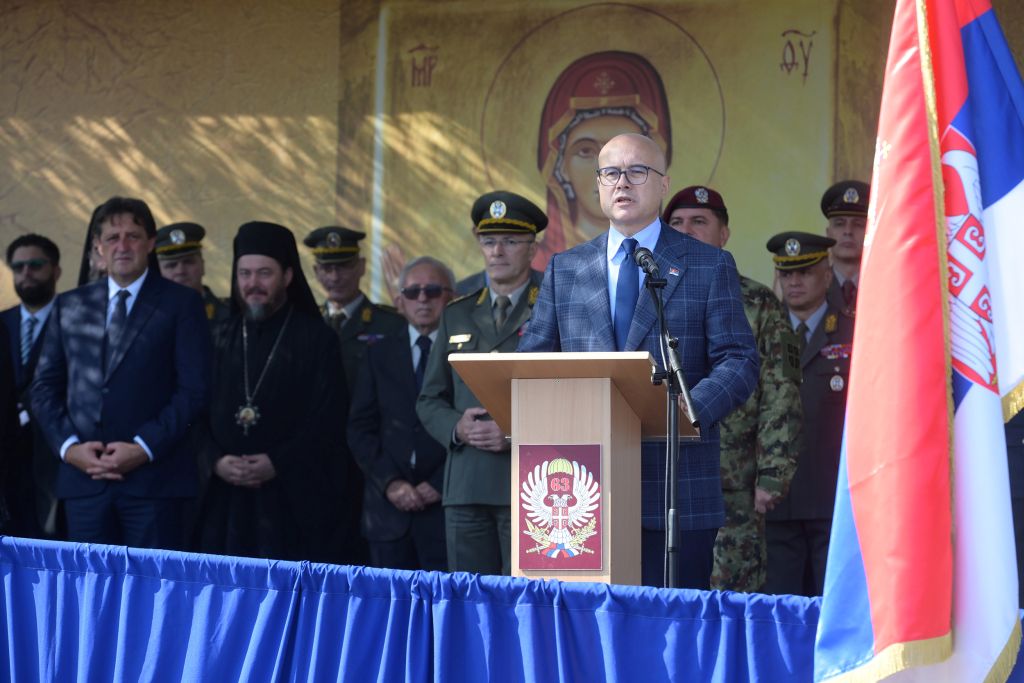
x,y
278,445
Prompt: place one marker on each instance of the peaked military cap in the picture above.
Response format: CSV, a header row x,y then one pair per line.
x,y
507,212
178,239
795,250
334,244
695,197
846,198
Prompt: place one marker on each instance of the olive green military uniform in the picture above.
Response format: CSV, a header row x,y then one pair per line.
x,y
760,444
476,482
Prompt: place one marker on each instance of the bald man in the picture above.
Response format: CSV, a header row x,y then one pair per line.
x,y
592,299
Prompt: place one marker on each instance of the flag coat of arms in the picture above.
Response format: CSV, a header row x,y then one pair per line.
x,y
921,581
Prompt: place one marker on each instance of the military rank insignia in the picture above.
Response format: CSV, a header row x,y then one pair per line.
x,y
831,322
534,291
367,314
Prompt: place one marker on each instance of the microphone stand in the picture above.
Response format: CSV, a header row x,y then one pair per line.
x,y
675,384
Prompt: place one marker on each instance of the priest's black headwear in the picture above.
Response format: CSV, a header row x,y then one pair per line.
x,y
277,242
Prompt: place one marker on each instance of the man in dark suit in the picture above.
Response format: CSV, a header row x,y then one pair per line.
x,y
123,371
478,469
8,425
403,466
35,262
799,525
591,300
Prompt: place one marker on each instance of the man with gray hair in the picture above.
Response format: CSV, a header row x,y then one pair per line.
x,y
403,466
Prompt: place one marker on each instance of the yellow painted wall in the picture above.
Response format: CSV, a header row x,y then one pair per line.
x,y
227,112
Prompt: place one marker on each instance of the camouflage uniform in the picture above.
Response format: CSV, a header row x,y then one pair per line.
x,y
760,444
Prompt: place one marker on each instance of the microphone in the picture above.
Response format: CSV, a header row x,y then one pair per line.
x,y
645,259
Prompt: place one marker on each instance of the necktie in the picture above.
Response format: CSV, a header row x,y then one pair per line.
x,y
421,365
627,291
850,294
801,331
501,306
337,320
28,333
115,328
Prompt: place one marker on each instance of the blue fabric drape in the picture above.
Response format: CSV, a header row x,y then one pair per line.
x,y
105,613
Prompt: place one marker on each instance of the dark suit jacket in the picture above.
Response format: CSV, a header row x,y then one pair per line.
x,y
156,386
22,373
8,420
39,467
823,395
383,431
704,310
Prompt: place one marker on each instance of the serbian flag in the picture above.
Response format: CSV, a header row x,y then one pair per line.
x,y
921,581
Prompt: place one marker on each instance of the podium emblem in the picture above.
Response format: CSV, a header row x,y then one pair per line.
x,y
560,507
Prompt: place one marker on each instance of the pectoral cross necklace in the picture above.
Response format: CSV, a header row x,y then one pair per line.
x,y
248,415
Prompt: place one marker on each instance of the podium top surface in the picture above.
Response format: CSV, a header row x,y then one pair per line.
x,y
490,375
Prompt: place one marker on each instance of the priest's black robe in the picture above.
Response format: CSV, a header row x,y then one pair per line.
x,y
302,406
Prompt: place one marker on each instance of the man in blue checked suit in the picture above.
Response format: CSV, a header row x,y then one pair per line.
x,y
124,370
592,300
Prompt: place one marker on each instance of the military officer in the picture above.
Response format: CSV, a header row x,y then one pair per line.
x,y
477,470
760,439
357,320
799,526
845,206
179,251
359,323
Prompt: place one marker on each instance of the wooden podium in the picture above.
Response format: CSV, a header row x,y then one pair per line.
x,y
565,410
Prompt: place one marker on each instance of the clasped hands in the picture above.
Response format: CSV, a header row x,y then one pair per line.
x,y
409,498
251,471
106,461
476,429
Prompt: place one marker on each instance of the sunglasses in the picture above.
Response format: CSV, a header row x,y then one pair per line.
x,y
432,291
33,264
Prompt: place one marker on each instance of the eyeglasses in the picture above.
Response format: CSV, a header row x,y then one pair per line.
x,y
432,291
505,242
636,175
32,264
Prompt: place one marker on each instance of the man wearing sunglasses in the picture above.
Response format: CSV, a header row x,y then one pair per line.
x,y
592,300
35,262
478,469
404,467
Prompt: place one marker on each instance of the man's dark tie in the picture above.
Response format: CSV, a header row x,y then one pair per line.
x,y
337,320
501,306
421,365
627,291
28,331
850,294
801,331
115,328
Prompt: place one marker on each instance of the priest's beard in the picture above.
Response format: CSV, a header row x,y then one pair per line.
x,y
258,311
36,293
